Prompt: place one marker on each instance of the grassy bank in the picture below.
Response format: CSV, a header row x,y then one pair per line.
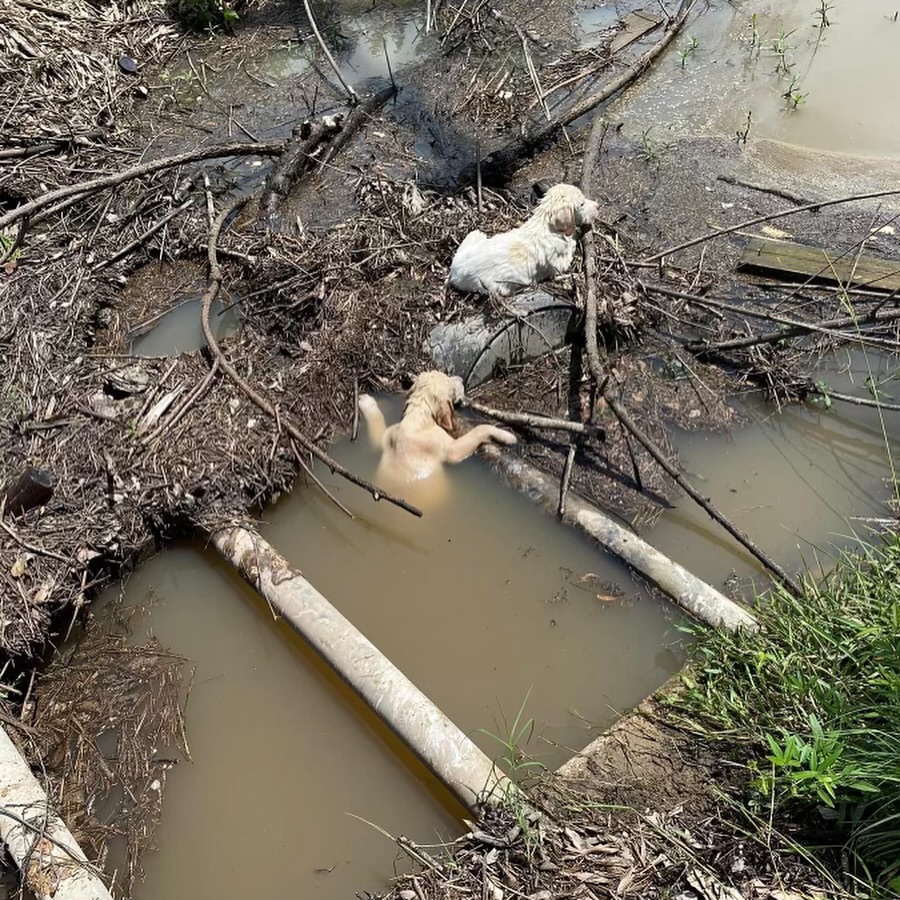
x,y
811,707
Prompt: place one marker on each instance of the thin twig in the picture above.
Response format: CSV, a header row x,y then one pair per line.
x,y
354,431
351,94
536,422
647,443
566,478
32,548
317,481
828,394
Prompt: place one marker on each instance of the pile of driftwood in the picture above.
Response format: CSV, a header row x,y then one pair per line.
x,y
139,450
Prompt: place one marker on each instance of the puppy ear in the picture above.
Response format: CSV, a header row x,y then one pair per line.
x,y
563,220
444,418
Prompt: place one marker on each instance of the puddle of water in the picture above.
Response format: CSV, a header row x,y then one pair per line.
x,y
281,751
484,602
791,480
360,41
593,19
179,330
845,74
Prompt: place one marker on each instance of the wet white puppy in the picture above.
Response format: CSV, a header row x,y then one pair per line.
x,y
542,248
418,446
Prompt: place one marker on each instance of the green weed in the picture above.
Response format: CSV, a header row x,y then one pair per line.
x,y
204,15
821,14
811,704
517,766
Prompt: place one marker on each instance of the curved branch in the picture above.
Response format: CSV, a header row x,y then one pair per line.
x,y
157,165
215,282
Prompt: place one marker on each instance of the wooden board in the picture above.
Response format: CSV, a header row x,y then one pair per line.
x,y
635,25
833,266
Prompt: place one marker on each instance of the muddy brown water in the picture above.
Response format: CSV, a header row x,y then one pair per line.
x,y
485,603
179,330
749,56
282,754
802,482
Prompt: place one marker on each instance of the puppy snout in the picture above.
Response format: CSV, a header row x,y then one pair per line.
x,y
592,211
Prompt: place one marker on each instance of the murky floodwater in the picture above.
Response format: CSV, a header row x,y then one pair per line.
x,y
179,330
798,482
282,753
483,602
826,88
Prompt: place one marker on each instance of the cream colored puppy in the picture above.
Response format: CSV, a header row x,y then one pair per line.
x,y
542,248
420,443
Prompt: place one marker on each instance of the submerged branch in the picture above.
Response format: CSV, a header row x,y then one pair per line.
x,y
647,443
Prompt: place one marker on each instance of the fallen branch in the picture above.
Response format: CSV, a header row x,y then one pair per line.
x,y
83,188
759,220
358,118
296,159
215,283
292,163
537,422
647,443
497,166
793,327
826,393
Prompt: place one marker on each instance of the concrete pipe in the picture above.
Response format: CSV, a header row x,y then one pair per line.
x,y
700,599
52,864
469,774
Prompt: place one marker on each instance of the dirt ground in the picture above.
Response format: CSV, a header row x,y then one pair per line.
x,y
142,450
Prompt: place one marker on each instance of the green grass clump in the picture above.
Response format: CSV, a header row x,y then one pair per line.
x,y
811,704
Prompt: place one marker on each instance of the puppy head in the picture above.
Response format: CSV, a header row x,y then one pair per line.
x,y
438,392
566,207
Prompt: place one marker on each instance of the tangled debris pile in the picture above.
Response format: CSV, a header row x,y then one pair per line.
x,y
105,723
142,449
636,819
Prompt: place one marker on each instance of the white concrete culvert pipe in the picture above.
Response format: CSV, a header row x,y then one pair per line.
x,y
468,772
50,861
693,594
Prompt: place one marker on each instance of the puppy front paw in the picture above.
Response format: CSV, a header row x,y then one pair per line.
x,y
367,404
504,437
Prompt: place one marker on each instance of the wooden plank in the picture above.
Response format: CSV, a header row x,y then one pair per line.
x,y
634,26
831,266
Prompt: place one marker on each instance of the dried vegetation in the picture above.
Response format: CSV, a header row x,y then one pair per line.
x,y
143,449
